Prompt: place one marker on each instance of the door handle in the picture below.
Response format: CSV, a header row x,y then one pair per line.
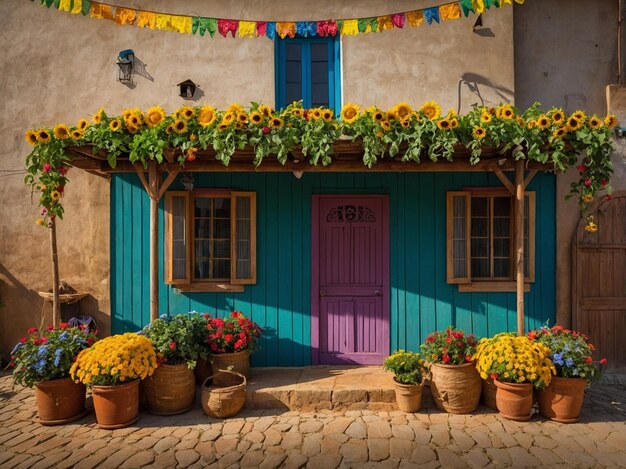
x,y
378,293
322,293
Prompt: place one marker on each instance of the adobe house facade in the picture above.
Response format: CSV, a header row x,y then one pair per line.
x,y
103,237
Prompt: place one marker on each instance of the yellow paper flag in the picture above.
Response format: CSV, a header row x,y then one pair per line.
x,y
451,11
146,19
384,23
101,11
65,5
78,7
182,24
350,28
164,22
415,18
125,16
286,29
247,28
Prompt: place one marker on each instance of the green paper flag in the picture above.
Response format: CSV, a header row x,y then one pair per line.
x,y
364,22
49,3
86,7
57,4
467,7
202,25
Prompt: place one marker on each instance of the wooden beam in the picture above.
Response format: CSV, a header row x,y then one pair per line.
x,y
530,177
56,305
140,172
168,182
505,181
154,177
519,243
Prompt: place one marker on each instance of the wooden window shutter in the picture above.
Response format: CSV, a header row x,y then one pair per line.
x,y
177,245
243,247
529,237
458,237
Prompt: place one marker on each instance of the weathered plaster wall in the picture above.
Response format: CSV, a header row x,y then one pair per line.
x,y
57,67
565,55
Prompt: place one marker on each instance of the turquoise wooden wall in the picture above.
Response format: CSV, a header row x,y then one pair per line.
x,y
421,300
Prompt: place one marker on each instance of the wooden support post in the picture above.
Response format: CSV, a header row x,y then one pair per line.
x,y
56,306
519,243
153,192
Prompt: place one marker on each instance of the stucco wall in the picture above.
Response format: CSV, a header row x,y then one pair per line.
x,y
58,67
565,55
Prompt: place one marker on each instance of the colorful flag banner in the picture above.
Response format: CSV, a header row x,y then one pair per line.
x,y
249,28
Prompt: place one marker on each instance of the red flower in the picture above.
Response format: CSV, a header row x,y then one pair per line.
x,y
494,376
604,361
532,335
235,314
448,339
305,114
468,358
90,341
23,340
589,359
213,346
50,327
430,339
63,170
61,189
206,315
266,130
32,330
581,169
604,182
47,167
172,345
459,344
445,358
64,325
588,182
44,340
228,337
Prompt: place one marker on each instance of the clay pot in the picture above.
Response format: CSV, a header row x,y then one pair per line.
x,y
514,400
202,370
455,388
116,406
562,399
60,401
239,362
170,390
488,397
408,396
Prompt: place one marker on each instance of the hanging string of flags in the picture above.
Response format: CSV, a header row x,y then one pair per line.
x,y
270,29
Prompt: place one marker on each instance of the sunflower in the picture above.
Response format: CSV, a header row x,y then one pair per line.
x,y
479,133
580,115
276,122
134,120
297,112
378,116
454,123
452,112
185,112
97,118
235,108
402,110
591,227
43,136
55,196
406,123
115,125
61,131
543,121
532,124
82,124
222,126
31,137
558,116
521,121
573,124
391,113
228,118
327,115
169,129
350,113
588,198
485,117
560,132
129,112
431,109
315,113
133,129
77,134
385,125
610,121
257,118
179,126
506,112
207,116
154,116
242,118
594,122
444,124
266,110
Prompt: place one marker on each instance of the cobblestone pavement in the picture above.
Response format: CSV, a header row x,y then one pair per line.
x,y
321,440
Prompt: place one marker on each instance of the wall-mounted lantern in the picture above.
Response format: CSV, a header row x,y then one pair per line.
x,y
125,62
187,89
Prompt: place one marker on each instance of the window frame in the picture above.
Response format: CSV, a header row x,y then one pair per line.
x,y
334,70
489,284
189,282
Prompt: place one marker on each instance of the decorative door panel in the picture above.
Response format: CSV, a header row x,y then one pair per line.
x,y
350,296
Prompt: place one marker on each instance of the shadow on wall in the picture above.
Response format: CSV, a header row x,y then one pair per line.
x,y
474,81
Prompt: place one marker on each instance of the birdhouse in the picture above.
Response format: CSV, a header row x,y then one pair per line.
x,y
187,89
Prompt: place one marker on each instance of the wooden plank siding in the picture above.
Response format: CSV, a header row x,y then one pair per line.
x,y
421,299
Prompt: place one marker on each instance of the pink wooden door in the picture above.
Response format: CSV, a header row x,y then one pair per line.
x,y
350,284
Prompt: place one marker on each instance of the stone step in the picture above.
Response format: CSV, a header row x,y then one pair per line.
x,y
328,387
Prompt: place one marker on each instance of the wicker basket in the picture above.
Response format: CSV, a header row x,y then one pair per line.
x,y
455,388
222,402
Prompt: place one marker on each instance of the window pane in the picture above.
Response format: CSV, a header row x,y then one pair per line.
x,y
480,227
501,247
502,227
319,95
203,259
202,207
480,207
293,92
203,228
480,247
501,267
222,229
293,51
221,269
179,242
480,268
222,208
221,249
502,206
319,72
293,72
319,52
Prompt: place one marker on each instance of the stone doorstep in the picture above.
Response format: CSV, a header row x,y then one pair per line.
x,y
326,387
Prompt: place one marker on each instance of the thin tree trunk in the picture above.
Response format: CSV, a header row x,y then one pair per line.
x,y
56,306
519,243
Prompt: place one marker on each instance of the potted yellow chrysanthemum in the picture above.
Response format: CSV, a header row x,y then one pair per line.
x,y
409,371
113,368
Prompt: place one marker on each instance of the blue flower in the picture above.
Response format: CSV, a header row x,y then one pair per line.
x,y
569,362
18,346
557,358
64,335
40,365
57,356
42,351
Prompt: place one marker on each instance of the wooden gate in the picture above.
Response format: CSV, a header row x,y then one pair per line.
x,y
599,282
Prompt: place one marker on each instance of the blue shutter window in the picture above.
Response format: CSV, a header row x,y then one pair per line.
x,y
308,69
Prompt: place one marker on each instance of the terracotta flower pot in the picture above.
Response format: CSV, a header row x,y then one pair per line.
x,y
514,400
239,361
455,388
170,390
202,370
562,399
60,401
408,396
116,406
488,397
